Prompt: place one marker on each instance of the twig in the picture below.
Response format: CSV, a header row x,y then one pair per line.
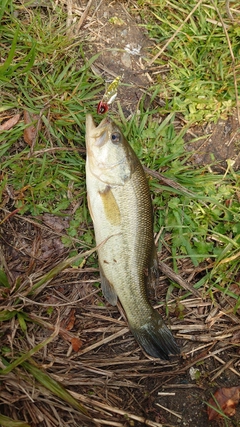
x,y
108,423
69,15
174,35
231,369
187,328
170,182
169,410
221,370
228,9
197,349
166,386
84,15
202,357
94,403
104,341
204,338
53,149
177,278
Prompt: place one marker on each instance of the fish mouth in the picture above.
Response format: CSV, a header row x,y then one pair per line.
x,y
98,133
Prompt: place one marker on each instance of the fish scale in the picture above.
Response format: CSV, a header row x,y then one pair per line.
x,y
120,205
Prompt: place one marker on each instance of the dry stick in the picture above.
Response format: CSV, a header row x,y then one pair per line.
x,y
231,369
96,8
232,138
221,370
187,328
204,338
201,357
69,15
233,59
170,182
106,318
174,35
104,341
94,403
109,423
179,386
228,10
84,15
53,149
166,393
177,278
169,410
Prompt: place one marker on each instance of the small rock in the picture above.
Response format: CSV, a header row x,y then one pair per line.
x,y
194,373
126,60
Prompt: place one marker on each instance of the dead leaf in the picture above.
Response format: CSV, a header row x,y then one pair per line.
x,y
76,344
227,399
235,338
10,123
50,247
30,132
68,323
69,337
56,223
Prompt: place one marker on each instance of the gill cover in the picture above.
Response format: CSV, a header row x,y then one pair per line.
x,y
110,157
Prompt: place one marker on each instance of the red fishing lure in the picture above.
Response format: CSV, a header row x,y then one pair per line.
x,y
108,97
102,107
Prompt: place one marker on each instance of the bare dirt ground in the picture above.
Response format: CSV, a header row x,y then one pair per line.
x,y
109,372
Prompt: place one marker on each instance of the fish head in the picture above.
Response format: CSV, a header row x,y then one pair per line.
x,y
109,156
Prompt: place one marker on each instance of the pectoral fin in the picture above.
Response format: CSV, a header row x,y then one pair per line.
x,y
89,207
108,289
110,205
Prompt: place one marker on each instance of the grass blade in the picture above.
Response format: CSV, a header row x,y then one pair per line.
x,y
9,59
9,422
54,387
29,354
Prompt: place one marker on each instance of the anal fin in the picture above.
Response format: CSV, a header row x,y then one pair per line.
x,y
108,289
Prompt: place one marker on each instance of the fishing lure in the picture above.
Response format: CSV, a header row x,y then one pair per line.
x,y
109,96
102,107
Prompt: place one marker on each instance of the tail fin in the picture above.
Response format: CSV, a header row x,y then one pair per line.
x,y
155,338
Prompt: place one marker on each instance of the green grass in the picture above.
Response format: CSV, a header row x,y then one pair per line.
x,y
52,79
47,73
200,78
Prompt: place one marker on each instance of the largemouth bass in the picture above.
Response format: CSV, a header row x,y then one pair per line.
x,y
120,206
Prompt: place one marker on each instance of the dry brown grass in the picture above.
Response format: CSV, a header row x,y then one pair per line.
x,y
109,374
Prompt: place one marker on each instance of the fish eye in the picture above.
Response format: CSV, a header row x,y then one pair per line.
x,y
116,137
